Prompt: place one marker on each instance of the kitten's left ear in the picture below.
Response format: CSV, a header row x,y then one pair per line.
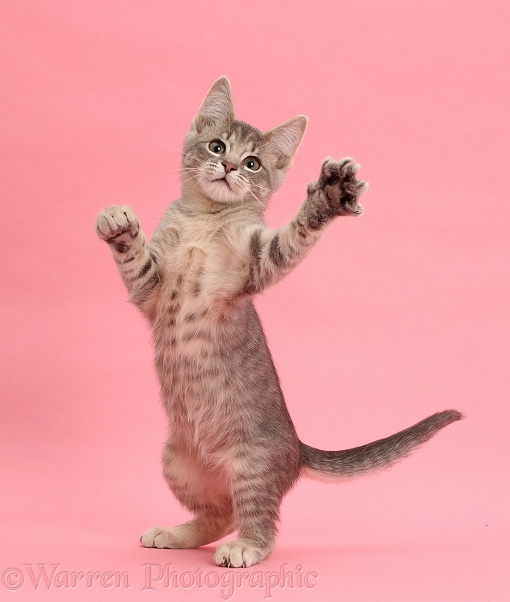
x,y
217,108
284,140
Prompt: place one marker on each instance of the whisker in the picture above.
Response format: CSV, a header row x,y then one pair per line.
x,y
198,182
182,169
172,170
192,177
265,188
177,149
182,183
257,199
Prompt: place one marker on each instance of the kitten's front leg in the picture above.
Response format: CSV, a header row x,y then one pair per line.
x,y
275,253
119,227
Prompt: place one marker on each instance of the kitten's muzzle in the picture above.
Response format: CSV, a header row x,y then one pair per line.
x,y
228,167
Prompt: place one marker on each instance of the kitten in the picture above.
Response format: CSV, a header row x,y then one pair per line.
x,y
233,451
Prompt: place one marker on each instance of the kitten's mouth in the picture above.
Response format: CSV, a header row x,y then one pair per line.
x,y
224,181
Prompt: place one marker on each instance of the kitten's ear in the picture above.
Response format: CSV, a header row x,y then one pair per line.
x,y
284,140
217,107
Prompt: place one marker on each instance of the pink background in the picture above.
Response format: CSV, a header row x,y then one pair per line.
x,y
392,317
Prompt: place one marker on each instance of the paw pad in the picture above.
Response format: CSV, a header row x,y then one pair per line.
x,y
341,187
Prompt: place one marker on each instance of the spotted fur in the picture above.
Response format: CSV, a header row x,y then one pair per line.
x,y
233,451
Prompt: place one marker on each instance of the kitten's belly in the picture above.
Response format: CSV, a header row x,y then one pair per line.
x,y
198,390
195,350
211,361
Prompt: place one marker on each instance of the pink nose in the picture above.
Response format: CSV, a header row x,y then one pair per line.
x,y
229,167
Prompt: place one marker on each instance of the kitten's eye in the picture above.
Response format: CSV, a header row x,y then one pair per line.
x,y
217,147
252,163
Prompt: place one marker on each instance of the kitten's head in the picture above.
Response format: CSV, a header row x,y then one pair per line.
x,y
234,162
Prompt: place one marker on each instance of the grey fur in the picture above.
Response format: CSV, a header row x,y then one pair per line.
x,y
378,455
233,451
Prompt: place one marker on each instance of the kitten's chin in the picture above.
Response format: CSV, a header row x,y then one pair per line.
x,y
220,191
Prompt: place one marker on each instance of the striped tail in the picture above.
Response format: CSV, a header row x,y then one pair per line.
x,y
336,465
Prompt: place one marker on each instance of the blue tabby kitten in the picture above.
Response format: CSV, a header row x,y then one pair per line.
x,y
233,451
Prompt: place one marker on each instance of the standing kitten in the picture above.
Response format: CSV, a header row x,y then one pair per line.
x,y
233,451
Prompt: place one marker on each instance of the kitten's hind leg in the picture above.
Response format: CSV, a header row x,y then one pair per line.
x,y
256,509
258,482
197,532
200,489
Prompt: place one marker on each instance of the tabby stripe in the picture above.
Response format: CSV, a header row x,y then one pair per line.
x,y
134,274
196,334
275,252
149,284
146,267
122,262
247,488
252,477
251,285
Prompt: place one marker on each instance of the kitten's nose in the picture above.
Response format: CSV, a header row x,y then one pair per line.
x,y
228,167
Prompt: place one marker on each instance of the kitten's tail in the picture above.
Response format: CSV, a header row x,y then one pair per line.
x,y
335,465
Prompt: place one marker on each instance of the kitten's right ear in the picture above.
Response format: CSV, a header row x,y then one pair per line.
x,y
217,108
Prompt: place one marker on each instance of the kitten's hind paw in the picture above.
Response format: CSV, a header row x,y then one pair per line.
x,y
240,553
340,187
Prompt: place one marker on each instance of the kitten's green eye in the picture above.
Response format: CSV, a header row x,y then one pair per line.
x,y
252,163
217,147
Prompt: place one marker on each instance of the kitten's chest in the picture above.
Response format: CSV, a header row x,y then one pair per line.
x,y
203,268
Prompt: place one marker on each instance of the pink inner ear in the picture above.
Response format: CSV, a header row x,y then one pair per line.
x,y
202,122
282,161
284,140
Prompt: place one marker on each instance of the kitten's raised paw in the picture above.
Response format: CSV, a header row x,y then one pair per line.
x,y
156,537
239,553
116,220
340,186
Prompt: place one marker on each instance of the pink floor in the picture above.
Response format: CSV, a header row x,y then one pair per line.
x,y
392,317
